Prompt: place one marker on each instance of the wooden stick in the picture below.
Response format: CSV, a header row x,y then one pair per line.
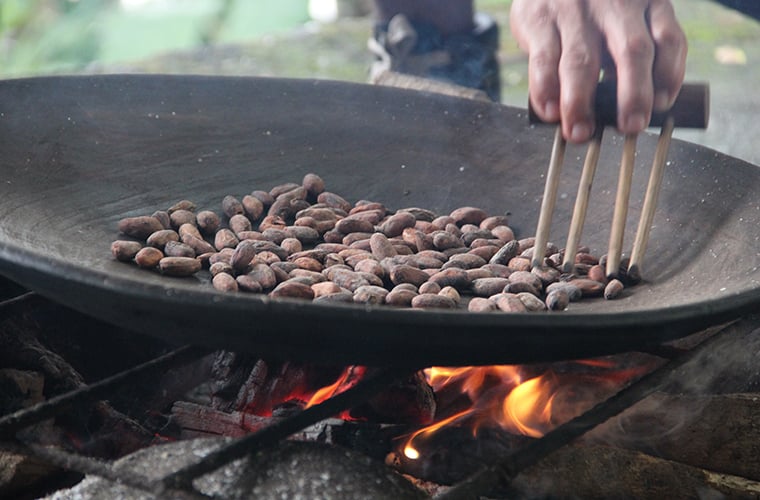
x,y
581,200
621,206
650,199
550,197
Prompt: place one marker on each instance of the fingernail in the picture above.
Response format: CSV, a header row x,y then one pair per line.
x,y
551,110
580,132
661,100
635,123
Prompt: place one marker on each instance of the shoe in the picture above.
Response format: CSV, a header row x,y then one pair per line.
x,y
418,49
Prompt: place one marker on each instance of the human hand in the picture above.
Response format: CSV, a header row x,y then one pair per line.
x,y
569,41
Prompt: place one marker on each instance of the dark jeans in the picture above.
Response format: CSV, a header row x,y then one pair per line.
x,y
748,7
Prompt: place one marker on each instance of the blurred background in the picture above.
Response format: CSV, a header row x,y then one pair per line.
x,y
327,39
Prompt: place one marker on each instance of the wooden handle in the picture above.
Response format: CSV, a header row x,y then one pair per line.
x,y
690,110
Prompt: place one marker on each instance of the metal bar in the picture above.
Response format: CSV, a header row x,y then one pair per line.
x,y
19,298
505,470
42,411
278,431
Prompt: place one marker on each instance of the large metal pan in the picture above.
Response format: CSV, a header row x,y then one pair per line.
x,y
79,153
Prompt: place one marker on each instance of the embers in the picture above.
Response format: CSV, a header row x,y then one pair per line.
x,y
693,425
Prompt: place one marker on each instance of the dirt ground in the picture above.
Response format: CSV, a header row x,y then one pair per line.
x,y
724,52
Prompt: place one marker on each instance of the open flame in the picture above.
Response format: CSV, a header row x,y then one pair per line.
x,y
521,402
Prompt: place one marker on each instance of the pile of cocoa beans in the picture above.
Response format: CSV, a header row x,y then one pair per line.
x,y
298,240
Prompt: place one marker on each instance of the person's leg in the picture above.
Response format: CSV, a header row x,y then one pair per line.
x,y
439,39
449,17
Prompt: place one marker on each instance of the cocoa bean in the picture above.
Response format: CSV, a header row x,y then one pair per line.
x,y
325,288
220,267
263,274
370,294
506,253
239,223
480,305
342,297
420,214
531,302
264,197
291,245
181,205
314,185
468,215
557,300
292,289
400,297
163,217
224,282
454,230
381,246
352,225
452,277
370,266
573,292
179,266
140,227
597,273
308,263
208,222
225,238
486,287
124,250
613,289
433,301
160,238
546,274
430,287
148,257
178,249
443,240
519,264
509,302
334,200
485,252
407,274
493,221
498,270
589,288
247,283
452,293
231,206
306,235
465,261
395,224
179,217
272,221
190,229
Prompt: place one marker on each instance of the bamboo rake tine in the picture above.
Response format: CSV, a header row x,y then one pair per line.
x,y
581,200
549,199
621,206
650,199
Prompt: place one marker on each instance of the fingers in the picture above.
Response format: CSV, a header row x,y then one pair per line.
x,y
626,30
670,54
534,29
566,40
578,70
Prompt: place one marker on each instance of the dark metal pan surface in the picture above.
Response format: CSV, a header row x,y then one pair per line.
x,y
80,153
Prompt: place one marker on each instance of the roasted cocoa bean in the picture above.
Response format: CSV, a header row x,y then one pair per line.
x,y
468,215
225,238
140,227
509,302
407,274
433,301
199,245
430,287
506,253
443,240
531,302
263,196
325,288
239,223
231,206
396,223
557,300
180,217
589,288
182,205
220,267
292,289
125,250
480,304
452,277
291,245
179,266
248,283
452,293
400,297
164,218
178,249
613,289
160,238
224,282
420,214
314,186
148,257
208,222
342,297
334,200
370,294
465,261
486,287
